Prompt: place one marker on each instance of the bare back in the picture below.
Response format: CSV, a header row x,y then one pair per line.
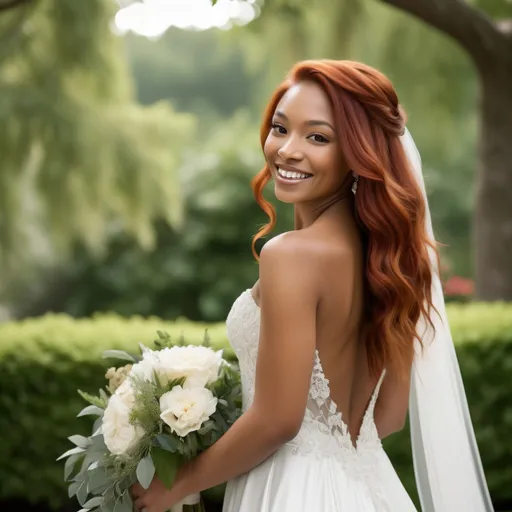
x,y
339,317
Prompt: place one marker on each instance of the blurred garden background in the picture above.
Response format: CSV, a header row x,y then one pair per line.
x,y
129,132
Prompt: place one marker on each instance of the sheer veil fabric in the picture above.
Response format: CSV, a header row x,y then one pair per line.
x,y
447,465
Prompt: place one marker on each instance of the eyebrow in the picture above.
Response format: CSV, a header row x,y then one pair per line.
x,y
312,122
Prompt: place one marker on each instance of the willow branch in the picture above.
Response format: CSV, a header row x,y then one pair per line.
x,y
6,5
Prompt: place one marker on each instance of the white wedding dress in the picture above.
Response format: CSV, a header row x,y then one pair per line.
x,y
320,470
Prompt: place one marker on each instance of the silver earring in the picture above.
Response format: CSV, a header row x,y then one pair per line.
x,y
354,185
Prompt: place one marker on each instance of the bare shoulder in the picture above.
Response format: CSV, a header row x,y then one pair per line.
x,y
299,260
303,245
291,263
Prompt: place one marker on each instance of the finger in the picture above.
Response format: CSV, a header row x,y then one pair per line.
x,y
140,503
136,490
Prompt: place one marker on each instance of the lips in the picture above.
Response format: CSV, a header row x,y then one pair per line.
x,y
289,175
290,168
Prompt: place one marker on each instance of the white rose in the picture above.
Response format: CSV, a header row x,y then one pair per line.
x,y
185,410
144,368
125,393
200,365
120,436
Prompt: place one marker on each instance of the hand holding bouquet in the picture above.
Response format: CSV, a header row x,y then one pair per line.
x,y
157,412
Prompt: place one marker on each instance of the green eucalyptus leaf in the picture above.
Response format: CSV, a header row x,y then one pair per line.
x,y
73,451
97,424
90,458
81,493
80,441
97,478
72,489
118,354
145,471
97,444
126,502
94,465
104,507
91,410
94,502
123,503
81,476
118,487
70,465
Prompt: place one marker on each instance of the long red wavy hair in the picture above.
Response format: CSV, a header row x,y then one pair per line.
x,y
389,204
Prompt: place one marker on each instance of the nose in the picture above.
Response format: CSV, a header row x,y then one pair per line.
x,y
290,150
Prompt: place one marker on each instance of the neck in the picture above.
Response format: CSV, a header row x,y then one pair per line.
x,y
306,215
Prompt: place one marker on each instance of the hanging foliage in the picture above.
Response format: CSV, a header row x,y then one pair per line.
x,y
79,157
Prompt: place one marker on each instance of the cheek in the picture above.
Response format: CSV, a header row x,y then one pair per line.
x,y
269,148
330,163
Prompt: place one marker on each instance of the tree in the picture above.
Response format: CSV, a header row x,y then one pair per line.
x,y
80,158
195,272
484,32
489,44
197,71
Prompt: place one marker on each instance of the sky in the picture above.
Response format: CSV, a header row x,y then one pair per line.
x,y
151,18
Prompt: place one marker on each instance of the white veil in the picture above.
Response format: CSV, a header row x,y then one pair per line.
x,y
447,466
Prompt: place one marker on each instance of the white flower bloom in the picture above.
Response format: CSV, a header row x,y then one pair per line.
x,y
145,367
125,393
120,436
200,365
185,410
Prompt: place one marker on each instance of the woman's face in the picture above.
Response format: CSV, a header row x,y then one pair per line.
x,y
302,149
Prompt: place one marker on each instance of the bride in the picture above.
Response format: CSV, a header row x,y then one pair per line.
x,y
345,330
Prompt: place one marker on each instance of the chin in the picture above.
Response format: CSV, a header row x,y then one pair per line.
x,y
288,197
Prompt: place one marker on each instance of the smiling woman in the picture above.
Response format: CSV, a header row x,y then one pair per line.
x,y
326,338
301,149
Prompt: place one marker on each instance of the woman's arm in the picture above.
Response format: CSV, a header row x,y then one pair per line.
x,y
288,301
392,405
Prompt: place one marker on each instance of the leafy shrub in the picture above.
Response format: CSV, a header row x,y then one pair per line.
x,y
44,360
482,334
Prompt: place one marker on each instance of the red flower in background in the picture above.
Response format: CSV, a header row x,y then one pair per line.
x,y
457,285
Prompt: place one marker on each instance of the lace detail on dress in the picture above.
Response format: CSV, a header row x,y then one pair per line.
x,y
323,432
322,415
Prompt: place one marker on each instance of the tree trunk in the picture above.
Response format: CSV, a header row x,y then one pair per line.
x,y
489,43
493,212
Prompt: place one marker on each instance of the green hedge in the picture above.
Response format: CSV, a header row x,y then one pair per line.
x,y
44,360
482,334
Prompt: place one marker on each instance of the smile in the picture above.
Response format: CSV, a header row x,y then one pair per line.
x,y
292,175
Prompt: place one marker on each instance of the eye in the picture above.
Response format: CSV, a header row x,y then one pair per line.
x,y
278,128
316,137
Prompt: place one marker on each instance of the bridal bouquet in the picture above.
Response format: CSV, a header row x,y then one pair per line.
x,y
164,407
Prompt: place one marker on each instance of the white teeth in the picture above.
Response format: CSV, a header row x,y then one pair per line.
x,y
291,174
